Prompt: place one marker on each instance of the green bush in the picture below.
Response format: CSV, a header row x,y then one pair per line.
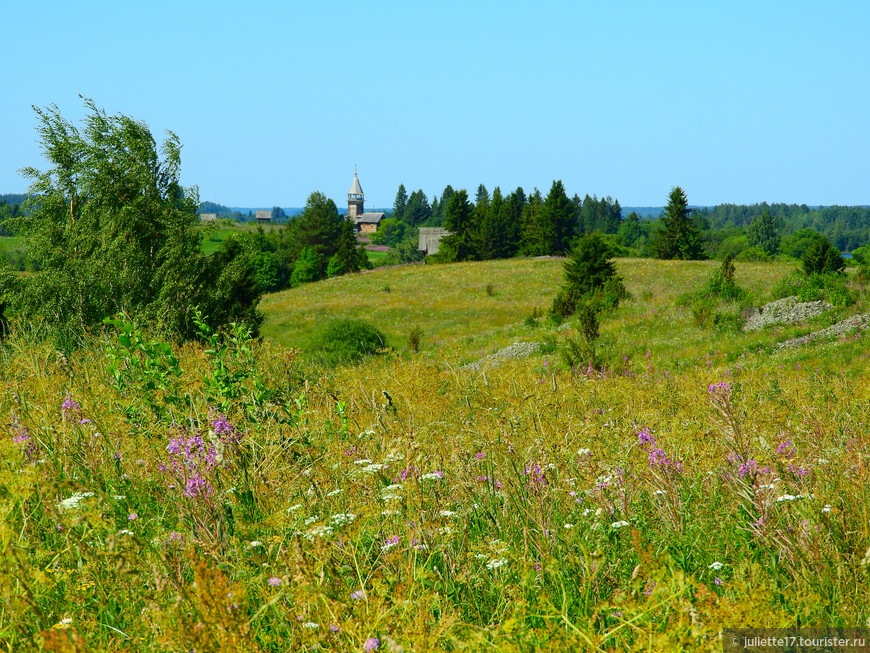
x,y
814,287
723,284
346,342
822,258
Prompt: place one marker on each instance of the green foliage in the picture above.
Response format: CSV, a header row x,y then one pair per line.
x,y
399,204
832,288
679,236
308,268
417,210
549,224
459,220
797,243
822,258
345,342
390,232
589,275
764,233
111,228
415,339
753,255
722,283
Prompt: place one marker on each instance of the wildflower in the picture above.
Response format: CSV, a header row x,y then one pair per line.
x,y
334,492
718,581
275,582
396,487
371,644
584,452
341,519
786,497
63,624
723,388
294,508
311,625
495,563
645,438
649,587
390,543
619,524
567,526
715,566
254,544
196,486
446,513
362,461
334,628
826,508
74,500
479,455
358,595
432,476
70,405
373,468
786,449
124,531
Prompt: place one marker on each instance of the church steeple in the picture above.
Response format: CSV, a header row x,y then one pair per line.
x,y
355,198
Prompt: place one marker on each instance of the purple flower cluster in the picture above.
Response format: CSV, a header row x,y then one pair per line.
x,y
225,430
536,475
71,409
786,449
658,459
192,461
22,437
723,389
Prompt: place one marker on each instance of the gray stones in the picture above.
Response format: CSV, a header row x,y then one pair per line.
x,y
516,350
785,311
854,323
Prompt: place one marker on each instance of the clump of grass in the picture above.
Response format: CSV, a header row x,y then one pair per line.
x,y
415,339
345,342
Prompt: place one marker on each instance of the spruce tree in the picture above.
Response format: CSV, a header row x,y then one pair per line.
x,y
679,237
459,220
400,203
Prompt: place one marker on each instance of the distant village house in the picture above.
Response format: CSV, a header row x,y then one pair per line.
x,y
207,217
264,217
430,239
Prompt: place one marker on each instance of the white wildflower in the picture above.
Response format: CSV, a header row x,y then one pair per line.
x,y
374,468
495,563
659,493
587,512
619,524
341,519
432,476
74,500
334,492
389,545
826,508
387,513
392,488
480,556
254,544
715,566
362,461
786,497
311,625
567,526
584,452
446,513
294,508
319,531
310,520
124,531
446,530
392,497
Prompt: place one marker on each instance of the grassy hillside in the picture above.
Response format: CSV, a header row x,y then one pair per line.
x,y
234,497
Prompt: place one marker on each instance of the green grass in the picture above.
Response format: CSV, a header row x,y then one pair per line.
x,y
215,233
519,508
11,243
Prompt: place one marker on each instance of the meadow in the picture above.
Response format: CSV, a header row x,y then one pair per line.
x,y
235,496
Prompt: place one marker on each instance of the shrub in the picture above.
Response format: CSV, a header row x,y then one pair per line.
x,y
415,337
722,282
346,342
814,287
590,276
822,258
753,255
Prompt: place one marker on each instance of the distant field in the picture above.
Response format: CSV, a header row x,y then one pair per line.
x,y
452,304
214,234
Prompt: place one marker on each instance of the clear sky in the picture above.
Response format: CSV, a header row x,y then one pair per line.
x,y
740,101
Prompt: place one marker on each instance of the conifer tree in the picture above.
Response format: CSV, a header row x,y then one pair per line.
x,y
459,220
679,237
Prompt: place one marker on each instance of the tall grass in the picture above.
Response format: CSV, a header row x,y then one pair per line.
x,y
228,497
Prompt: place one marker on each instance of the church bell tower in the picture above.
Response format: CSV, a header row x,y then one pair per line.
x,y
355,199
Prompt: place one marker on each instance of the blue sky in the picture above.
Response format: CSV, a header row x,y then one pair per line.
x,y
739,101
